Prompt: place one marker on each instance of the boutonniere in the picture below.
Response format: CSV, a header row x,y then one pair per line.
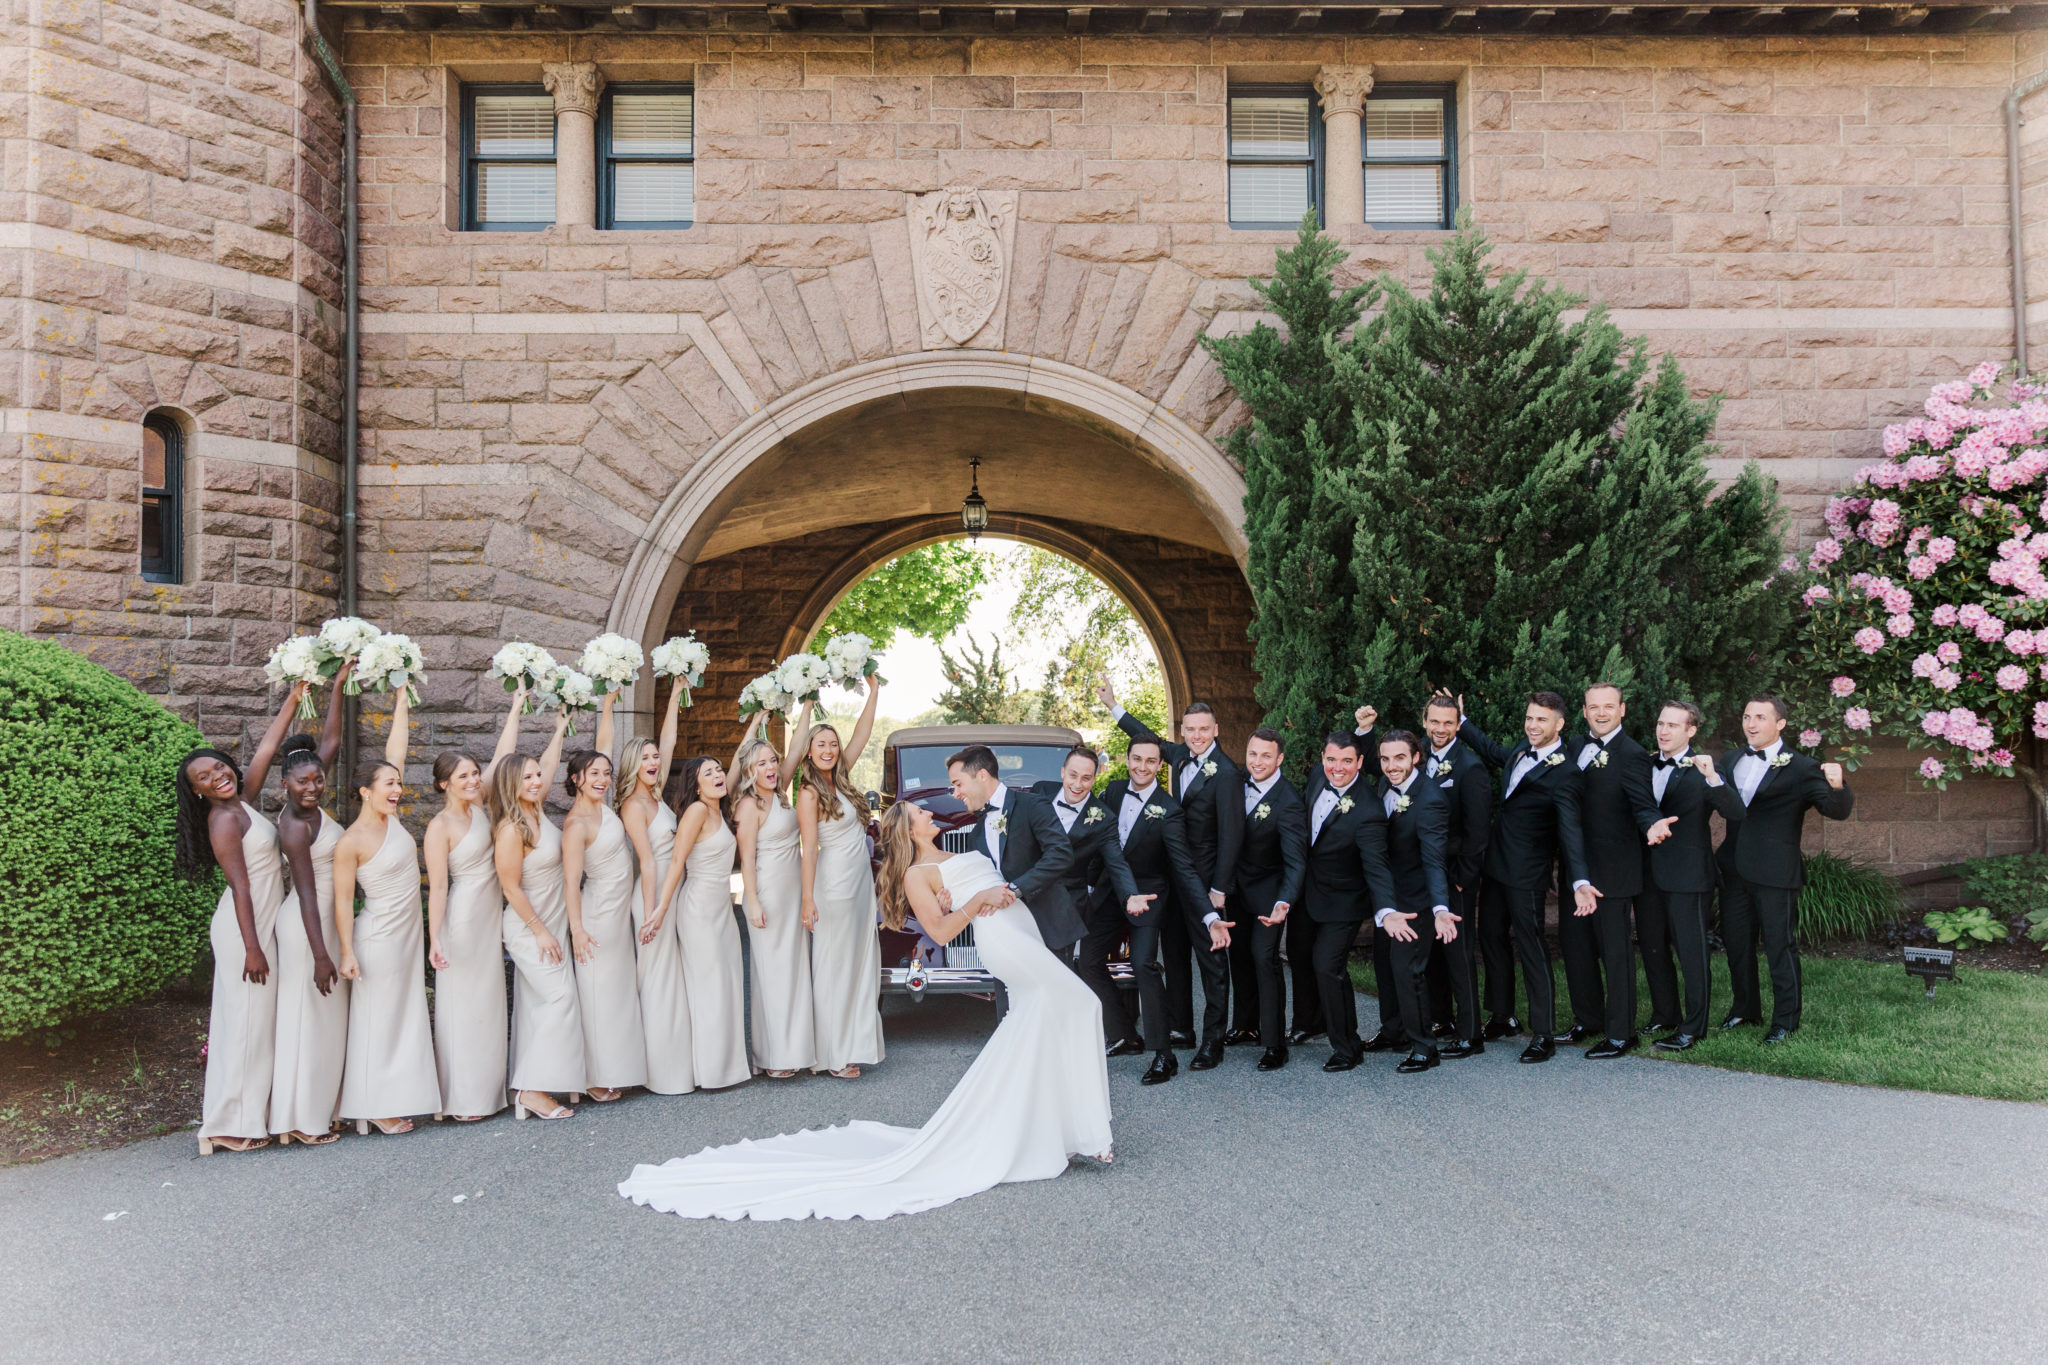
x,y
1003,822
1262,812
1599,758
1403,802
1343,805
1436,766
1094,813
1209,768
1556,757
1154,813
1781,760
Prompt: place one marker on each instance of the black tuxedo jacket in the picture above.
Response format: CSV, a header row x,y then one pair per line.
x,y
1616,809
1157,852
1098,869
1274,855
1416,839
1214,807
1685,861
1468,787
1348,875
1036,856
1538,825
1763,847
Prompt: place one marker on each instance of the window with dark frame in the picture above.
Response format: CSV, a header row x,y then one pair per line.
x,y
647,157
1275,154
163,488
508,158
1411,146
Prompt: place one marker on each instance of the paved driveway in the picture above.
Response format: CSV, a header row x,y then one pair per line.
x,y
1576,1212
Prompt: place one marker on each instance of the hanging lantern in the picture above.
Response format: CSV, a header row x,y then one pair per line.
x,y
974,509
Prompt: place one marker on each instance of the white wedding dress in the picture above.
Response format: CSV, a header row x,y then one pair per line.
x,y
1037,1094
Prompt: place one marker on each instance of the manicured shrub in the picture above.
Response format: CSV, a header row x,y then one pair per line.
x,y
1844,900
90,916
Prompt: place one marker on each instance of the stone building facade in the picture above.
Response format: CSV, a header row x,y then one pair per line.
x,y
578,425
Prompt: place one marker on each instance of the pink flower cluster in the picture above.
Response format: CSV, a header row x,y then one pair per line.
x,y
1932,768
2041,720
1843,686
1856,718
1959,727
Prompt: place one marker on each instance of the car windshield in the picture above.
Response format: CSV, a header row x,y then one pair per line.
x,y
921,772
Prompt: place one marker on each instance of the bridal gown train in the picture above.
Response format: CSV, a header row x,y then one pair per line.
x,y
1037,1094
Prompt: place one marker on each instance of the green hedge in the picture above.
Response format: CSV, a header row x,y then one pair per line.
x,y
90,916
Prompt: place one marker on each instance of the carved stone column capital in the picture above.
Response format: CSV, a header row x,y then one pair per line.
x,y
575,86
1343,89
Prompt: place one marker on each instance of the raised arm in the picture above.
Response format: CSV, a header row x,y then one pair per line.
x,y
551,757
798,738
224,832
1482,744
508,733
746,738
1832,801
266,748
667,741
396,742
864,727
330,733
602,742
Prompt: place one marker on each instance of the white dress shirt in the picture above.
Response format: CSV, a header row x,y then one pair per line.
x,y
1599,742
991,815
1135,798
1186,775
1661,773
1750,770
1388,797
1440,759
1066,811
1255,792
1526,764
1326,802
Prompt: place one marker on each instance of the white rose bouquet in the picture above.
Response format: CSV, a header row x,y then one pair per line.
x,y
803,676
520,662
765,694
610,662
850,658
683,658
570,691
341,639
389,663
295,661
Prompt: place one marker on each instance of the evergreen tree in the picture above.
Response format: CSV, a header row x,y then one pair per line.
x,y
979,689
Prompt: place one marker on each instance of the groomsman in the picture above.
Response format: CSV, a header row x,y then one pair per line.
x,y
1210,790
1760,861
1270,865
1536,826
1348,881
1151,834
1418,827
1617,813
1678,883
1098,873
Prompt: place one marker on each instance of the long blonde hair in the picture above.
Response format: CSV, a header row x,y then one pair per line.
x,y
742,774
899,853
816,779
626,783
503,799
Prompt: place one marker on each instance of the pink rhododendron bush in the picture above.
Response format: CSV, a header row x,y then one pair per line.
x,y
1927,604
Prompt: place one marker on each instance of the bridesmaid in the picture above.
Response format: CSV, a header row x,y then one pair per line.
x,y
547,1028
838,897
651,826
465,940
597,879
390,1068
217,828
713,973
771,873
312,1001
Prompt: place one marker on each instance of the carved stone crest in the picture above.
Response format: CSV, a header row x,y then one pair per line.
x,y
960,248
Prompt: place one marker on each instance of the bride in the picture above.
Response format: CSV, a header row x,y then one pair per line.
x,y
1037,1094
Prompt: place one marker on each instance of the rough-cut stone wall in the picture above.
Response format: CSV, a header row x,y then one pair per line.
x,y
169,202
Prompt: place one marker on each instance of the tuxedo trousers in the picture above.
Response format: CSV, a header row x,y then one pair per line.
x,y
1301,971
1332,956
1177,953
1524,906
1262,946
1247,997
1106,924
1599,966
1773,911
1454,968
1668,922
1493,925
1215,968
1400,971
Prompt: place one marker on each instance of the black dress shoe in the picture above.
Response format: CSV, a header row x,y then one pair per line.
x,y
1654,1027
1443,1030
1778,1035
1180,1038
1500,1026
1577,1033
1677,1042
1207,1057
1123,1047
1303,1035
1540,1049
1610,1047
1383,1041
1735,1021
1241,1037
1274,1059
1340,1064
1162,1070
1417,1061
1452,1051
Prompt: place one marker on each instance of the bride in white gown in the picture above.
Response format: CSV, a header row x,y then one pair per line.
x,y
1037,1094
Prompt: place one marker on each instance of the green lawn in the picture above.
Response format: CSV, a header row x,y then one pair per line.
x,y
1868,1023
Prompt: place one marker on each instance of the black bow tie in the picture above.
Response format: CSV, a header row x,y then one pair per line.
x,y
1068,805
1755,753
1664,762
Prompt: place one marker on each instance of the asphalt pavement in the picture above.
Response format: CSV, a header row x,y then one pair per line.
x,y
1578,1212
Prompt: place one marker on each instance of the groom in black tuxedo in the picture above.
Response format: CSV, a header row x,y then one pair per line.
x,y
1019,833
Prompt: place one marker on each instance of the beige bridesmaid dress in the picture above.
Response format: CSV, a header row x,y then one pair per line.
x,y
784,1034
469,993
713,972
608,986
664,1002
312,1029
846,956
547,1026
241,1028
390,1070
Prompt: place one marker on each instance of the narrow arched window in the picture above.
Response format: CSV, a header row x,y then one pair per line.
x,y
163,499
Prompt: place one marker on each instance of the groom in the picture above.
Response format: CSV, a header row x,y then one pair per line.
x,y
1021,835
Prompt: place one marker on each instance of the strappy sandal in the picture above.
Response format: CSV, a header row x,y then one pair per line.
x,y
208,1145
847,1073
778,1075
388,1127
521,1110
307,1139
601,1095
